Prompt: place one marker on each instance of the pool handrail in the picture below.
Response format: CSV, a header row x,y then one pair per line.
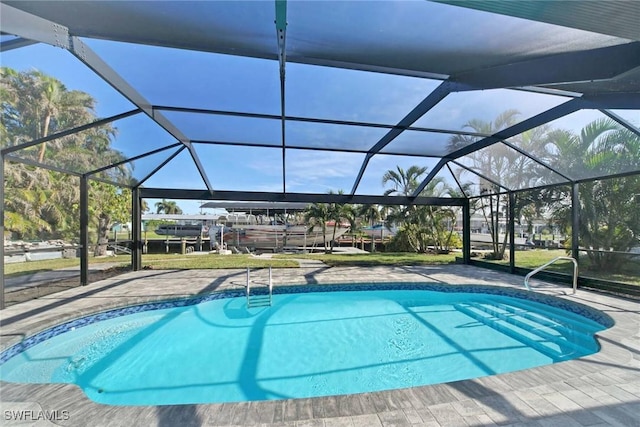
x,y
542,267
248,287
270,288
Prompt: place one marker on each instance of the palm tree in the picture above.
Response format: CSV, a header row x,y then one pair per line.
x,y
168,207
371,214
36,105
318,214
338,213
500,164
403,182
422,226
609,217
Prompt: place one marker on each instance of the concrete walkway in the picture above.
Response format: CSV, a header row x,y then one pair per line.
x,y
599,390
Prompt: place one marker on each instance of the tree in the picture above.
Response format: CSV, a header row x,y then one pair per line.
x,y
500,165
38,105
609,215
111,206
318,214
168,207
422,227
338,212
403,182
41,203
371,215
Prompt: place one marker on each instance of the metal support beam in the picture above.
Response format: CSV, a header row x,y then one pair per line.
x,y
136,229
542,118
439,166
538,120
249,196
26,25
15,44
535,159
133,159
512,232
160,166
358,66
429,177
84,230
77,129
437,95
453,175
616,101
39,165
592,65
615,18
575,221
535,121
2,230
85,54
482,176
309,120
281,33
466,231
622,121
61,170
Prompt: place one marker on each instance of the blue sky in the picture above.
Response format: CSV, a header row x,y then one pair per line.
x,y
198,80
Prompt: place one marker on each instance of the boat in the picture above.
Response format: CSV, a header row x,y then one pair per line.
x,y
268,226
379,231
180,230
253,225
276,236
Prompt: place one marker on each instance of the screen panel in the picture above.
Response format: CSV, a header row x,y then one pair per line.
x,y
223,128
380,164
352,95
487,111
332,136
316,171
241,168
185,78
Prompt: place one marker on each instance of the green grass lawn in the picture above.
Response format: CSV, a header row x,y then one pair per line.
x,y
210,261
535,258
171,261
378,258
527,259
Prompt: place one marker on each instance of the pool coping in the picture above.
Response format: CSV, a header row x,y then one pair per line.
x,y
426,403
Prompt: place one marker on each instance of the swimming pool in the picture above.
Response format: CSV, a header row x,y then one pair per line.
x,y
311,342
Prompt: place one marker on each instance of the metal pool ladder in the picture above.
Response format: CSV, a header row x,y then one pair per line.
x,y
263,297
542,267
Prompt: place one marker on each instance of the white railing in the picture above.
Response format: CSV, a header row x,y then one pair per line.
x,y
257,298
270,286
542,267
247,287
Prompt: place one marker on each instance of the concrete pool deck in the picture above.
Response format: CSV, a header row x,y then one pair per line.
x,y
599,390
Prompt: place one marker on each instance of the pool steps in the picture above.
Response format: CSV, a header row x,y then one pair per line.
x,y
551,339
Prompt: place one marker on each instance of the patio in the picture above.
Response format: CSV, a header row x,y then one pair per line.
x,y
599,390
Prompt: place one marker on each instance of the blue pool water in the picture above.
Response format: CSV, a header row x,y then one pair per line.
x,y
306,344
